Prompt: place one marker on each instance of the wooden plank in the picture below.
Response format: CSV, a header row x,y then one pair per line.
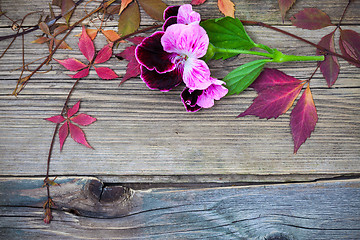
x,y
320,210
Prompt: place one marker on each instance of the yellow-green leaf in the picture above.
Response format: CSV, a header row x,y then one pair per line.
x,y
129,20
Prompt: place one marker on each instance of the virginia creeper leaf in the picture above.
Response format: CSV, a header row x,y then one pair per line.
x,y
227,7
44,28
284,6
274,101
71,111
129,20
350,45
136,40
86,46
63,44
303,119
66,5
197,2
56,119
124,4
330,67
71,64
81,74
105,73
271,77
78,135
104,54
60,29
83,119
240,78
41,40
154,8
63,133
311,18
111,35
227,32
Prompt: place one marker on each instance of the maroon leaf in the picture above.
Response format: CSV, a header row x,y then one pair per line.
x,y
273,101
78,135
311,18
104,54
83,119
133,67
197,2
86,45
71,64
330,67
105,73
284,6
350,45
71,111
271,77
136,40
303,119
63,133
56,119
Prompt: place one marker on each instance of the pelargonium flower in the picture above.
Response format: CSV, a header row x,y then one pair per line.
x,y
180,14
194,100
170,57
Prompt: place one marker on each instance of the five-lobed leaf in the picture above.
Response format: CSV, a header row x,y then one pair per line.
x,y
129,20
350,45
311,18
303,119
86,45
241,78
330,67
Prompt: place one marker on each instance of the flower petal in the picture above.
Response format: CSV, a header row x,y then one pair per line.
x,y
81,74
163,82
170,21
213,92
186,15
86,46
151,54
78,135
104,54
171,11
63,133
105,73
71,111
190,99
196,74
83,119
71,64
190,40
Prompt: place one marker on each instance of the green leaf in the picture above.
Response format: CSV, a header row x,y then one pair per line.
x,y
129,20
241,78
227,32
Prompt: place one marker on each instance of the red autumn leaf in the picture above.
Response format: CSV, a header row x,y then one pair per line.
x,y
350,45
78,135
284,6
83,119
311,18
60,29
104,54
41,40
63,44
81,74
56,119
86,46
227,7
271,77
71,64
330,67
197,2
105,73
71,111
63,133
136,40
303,119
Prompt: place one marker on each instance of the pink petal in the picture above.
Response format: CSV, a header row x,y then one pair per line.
x,y
71,64
71,111
214,92
186,15
63,133
196,74
105,73
81,74
86,46
83,119
190,40
78,135
104,54
56,119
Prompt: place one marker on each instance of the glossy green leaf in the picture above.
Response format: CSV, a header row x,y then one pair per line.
x,y
241,78
227,32
129,20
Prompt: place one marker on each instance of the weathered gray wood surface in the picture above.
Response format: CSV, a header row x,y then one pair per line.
x,y
86,210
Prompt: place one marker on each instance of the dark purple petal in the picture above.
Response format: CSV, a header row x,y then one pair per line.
x,y
190,98
163,82
171,11
169,21
151,54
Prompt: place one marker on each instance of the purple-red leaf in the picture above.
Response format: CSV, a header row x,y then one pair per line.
x,y
71,111
56,119
303,119
104,54
350,45
71,64
86,46
284,6
311,18
330,67
197,2
81,74
271,77
274,101
83,119
136,40
63,133
78,135
105,73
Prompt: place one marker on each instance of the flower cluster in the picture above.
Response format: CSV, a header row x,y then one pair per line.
x,y
172,56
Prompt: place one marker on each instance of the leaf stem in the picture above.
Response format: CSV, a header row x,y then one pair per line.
x,y
240,51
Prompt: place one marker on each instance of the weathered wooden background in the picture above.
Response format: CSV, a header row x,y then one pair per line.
x,y
169,174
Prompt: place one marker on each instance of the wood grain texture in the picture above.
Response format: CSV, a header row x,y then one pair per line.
x,y
323,210
146,134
